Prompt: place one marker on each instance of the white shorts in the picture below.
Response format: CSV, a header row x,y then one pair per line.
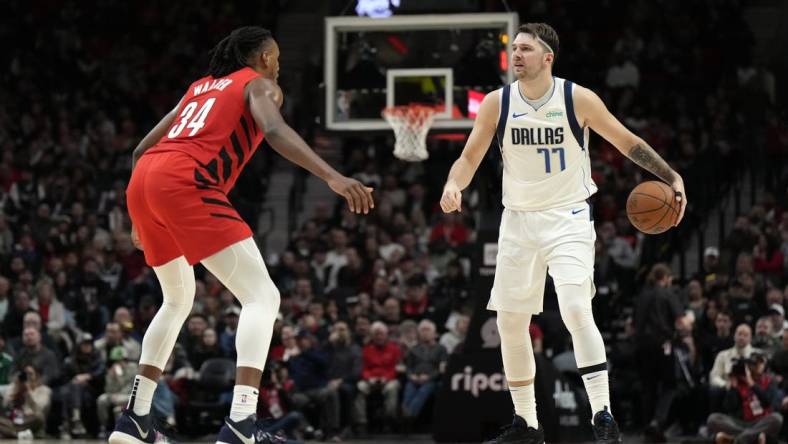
x,y
531,243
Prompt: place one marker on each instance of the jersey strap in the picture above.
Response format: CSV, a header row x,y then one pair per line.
x,y
570,113
505,94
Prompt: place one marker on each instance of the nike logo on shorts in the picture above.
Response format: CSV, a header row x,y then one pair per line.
x,y
139,429
244,439
577,211
515,115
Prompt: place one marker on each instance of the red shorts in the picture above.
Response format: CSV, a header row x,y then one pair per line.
x,y
174,217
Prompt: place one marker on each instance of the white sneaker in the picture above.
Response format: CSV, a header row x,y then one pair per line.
x,y
25,435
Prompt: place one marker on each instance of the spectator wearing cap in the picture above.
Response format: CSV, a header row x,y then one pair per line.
x,y
227,338
424,364
711,270
27,404
83,372
34,353
379,374
114,336
118,381
776,314
764,338
309,370
750,405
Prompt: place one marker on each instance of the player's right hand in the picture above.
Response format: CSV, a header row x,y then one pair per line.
x,y
358,196
451,199
135,238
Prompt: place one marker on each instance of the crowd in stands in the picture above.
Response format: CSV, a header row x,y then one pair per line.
x,y
374,306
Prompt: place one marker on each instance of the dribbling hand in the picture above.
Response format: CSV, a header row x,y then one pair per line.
x,y
358,196
451,200
681,197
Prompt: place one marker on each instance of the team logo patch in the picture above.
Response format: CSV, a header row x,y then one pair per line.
x,y
554,114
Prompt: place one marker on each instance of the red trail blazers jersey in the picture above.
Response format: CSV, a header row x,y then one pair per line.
x,y
214,126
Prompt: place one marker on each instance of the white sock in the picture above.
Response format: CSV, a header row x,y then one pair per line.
x,y
524,401
141,395
598,391
244,402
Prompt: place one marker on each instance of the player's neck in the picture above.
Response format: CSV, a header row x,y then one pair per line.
x,y
536,88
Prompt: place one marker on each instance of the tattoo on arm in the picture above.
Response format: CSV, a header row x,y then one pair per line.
x,y
648,159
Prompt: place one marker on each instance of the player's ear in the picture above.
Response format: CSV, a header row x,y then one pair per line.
x,y
549,57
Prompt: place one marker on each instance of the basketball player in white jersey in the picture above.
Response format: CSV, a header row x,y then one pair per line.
x,y
542,124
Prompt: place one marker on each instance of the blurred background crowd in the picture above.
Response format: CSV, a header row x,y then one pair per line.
x,y
374,306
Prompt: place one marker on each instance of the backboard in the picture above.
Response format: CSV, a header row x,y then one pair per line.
x,y
444,60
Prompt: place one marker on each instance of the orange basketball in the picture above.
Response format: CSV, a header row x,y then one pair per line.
x,y
652,207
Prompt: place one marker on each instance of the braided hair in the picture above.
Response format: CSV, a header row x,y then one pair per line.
x,y
233,52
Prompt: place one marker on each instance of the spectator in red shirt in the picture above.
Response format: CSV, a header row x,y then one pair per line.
x,y
379,373
450,229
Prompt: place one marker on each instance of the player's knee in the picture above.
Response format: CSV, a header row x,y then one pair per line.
x,y
513,327
577,315
273,297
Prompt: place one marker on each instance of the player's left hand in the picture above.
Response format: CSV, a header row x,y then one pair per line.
x,y
451,200
135,238
358,196
681,197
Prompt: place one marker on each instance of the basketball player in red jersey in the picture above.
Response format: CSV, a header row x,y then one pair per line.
x,y
177,199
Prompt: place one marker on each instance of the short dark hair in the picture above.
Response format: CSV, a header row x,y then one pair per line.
x,y
544,32
658,272
232,52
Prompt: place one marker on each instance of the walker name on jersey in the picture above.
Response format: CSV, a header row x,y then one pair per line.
x,y
211,85
537,136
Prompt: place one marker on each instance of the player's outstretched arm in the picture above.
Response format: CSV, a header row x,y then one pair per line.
x,y
592,112
153,136
476,147
265,110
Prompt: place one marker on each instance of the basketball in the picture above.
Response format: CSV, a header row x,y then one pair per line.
x,y
652,207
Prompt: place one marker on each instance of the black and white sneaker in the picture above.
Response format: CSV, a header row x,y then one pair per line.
x,y
133,429
519,433
248,431
605,428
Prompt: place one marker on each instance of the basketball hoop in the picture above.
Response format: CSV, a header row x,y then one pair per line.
x,y
411,123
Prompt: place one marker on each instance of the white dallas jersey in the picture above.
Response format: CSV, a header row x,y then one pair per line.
x,y
545,151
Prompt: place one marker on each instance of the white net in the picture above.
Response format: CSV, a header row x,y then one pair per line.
x,y
411,124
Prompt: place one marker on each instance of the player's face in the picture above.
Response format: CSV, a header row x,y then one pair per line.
x,y
529,57
271,60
